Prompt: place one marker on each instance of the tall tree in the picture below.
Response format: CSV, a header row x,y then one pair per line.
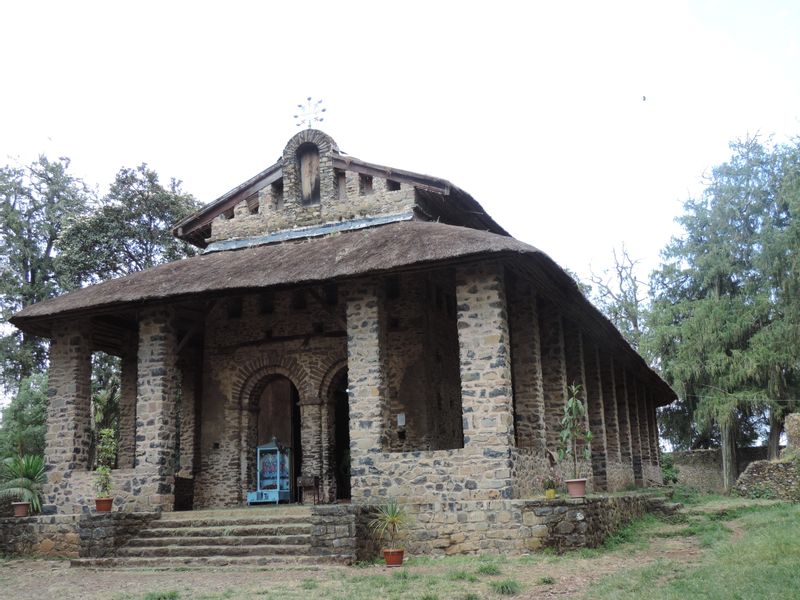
x,y
130,230
720,305
37,202
622,296
22,427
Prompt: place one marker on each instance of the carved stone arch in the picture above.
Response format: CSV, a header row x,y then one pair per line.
x,y
290,166
332,371
257,373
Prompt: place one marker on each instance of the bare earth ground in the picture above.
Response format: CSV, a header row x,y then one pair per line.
x,y
540,575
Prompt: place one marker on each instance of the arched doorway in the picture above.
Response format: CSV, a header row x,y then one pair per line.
x,y
340,405
277,411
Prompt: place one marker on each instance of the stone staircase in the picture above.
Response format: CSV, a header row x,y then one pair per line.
x,y
659,504
259,535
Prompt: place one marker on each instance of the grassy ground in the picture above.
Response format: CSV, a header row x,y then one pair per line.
x,y
716,547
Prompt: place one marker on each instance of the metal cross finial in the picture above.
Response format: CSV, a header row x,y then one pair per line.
x,y
310,113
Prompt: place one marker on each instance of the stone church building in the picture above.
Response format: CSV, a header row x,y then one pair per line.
x,y
376,322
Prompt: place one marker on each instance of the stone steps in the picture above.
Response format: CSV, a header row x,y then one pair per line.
x,y
253,536
227,540
214,550
202,562
659,504
227,530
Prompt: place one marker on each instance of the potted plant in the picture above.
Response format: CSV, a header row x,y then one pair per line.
x,y
106,455
389,522
22,479
573,431
549,485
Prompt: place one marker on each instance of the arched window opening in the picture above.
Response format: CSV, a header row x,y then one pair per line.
x,y
308,167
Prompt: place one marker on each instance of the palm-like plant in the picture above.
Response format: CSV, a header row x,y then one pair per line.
x,y
390,519
22,479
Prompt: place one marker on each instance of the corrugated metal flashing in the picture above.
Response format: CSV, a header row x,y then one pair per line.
x,y
307,232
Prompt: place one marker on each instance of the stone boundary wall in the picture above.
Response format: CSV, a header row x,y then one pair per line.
x,y
493,526
133,491
770,479
49,536
702,469
70,536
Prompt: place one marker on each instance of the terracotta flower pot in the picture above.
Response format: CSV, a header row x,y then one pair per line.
x,y
576,487
550,493
21,508
393,557
103,504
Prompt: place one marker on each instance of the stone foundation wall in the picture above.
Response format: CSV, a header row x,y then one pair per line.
x,y
493,526
48,536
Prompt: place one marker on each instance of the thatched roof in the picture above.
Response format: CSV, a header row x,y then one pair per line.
x,y
396,246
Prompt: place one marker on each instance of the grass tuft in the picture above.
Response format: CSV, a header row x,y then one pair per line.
x,y
489,569
171,595
507,587
546,580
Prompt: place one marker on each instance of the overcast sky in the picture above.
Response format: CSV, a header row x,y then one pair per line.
x,y
537,109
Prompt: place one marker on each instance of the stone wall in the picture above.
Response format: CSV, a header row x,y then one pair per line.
x,y
770,479
48,536
702,469
493,526
101,534
344,195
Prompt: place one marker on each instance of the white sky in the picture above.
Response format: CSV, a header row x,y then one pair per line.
x,y
534,108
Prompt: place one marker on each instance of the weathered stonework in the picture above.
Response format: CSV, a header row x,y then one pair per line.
x,y
596,414
553,370
46,536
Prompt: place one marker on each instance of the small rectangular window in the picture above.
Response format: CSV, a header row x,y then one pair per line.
x,y
392,185
364,184
252,204
277,194
341,185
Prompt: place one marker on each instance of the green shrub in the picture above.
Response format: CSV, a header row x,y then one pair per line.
x,y
668,469
546,580
489,569
21,480
507,587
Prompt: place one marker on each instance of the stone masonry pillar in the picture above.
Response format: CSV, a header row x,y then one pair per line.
x,y
633,421
655,448
366,374
68,434
127,411
594,399
644,425
483,339
310,434
554,376
609,384
526,366
622,393
155,406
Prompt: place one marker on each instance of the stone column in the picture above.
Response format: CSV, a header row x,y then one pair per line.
x,y
573,360
644,424
327,435
127,410
625,475
188,425
526,366
486,387
554,376
610,398
633,422
594,398
655,447
310,436
68,434
155,406
366,349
